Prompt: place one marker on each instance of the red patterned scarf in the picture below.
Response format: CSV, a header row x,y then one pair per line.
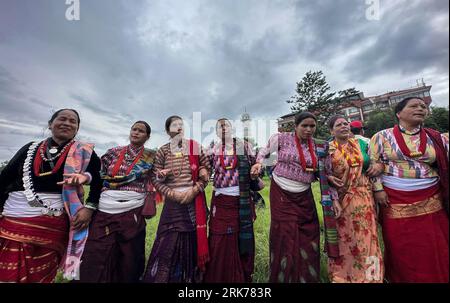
x,y
200,209
442,164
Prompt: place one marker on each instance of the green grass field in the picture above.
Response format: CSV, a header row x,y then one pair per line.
x,y
261,228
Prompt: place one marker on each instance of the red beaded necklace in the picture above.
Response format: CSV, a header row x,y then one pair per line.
x,y
233,162
38,159
404,148
302,156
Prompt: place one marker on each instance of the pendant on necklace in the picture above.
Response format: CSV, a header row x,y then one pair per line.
x,y
416,154
53,150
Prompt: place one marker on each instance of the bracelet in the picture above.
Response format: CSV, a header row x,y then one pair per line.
x,y
90,206
89,176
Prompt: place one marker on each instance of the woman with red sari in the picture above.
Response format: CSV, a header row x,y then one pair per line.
x,y
181,172
294,228
38,205
414,192
360,259
231,237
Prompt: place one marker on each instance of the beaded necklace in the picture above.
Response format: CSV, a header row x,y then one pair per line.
x,y
233,162
177,154
302,156
32,197
352,161
40,157
405,149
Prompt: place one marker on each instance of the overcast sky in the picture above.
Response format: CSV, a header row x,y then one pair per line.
x,y
146,60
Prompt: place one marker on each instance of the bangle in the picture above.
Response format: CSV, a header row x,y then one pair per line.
x,y
90,206
89,176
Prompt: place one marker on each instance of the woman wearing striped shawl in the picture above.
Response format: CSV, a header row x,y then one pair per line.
x,y
180,251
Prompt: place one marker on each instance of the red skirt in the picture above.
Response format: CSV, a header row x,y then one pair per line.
x,y
415,233
31,249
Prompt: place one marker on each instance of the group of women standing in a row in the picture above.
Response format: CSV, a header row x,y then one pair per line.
x,y
403,177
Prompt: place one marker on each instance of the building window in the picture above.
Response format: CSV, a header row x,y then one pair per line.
x,y
353,110
426,94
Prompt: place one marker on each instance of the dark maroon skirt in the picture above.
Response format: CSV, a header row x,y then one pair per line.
x,y
226,265
294,237
115,248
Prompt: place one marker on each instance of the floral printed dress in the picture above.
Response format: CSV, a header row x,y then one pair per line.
x,y
360,259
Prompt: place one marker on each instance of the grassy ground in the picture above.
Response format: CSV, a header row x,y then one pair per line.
x,y
261,228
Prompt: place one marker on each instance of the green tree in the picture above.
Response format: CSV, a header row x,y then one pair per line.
x,y
379,120
347,92
312,94
438,119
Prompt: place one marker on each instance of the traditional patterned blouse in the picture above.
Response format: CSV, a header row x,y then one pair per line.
x,y
288,162
227,177
384,148
109,160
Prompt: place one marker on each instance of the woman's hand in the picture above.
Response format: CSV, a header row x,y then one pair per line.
x,y
335,181
189,195
203,175
375,169
161,174
74,179
82,218
381,198
255,170
337,209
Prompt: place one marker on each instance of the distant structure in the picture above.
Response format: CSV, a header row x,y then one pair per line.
x,y
358,107
246,123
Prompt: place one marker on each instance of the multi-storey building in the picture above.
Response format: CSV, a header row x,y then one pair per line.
x,y
359,107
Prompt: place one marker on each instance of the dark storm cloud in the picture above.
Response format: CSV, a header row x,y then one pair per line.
x,y
146,60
